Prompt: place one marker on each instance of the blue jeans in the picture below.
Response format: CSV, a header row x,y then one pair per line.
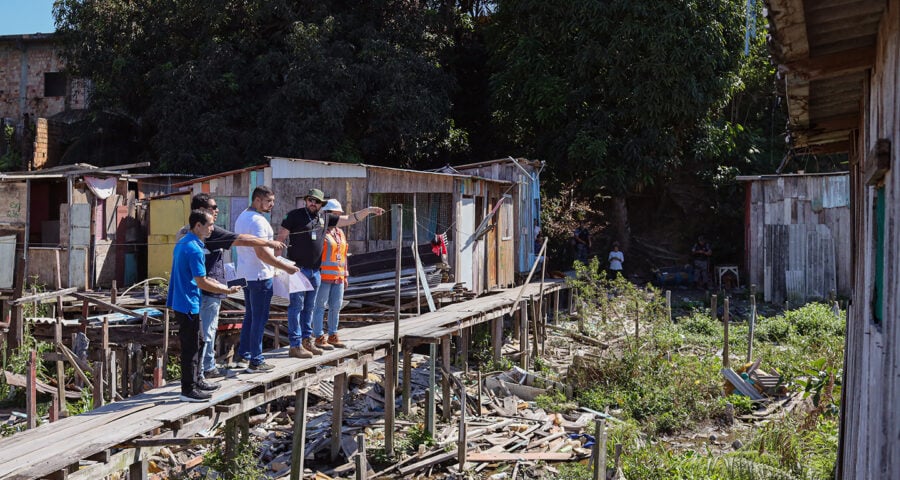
x,y
257,298
209,323
301,307
333,295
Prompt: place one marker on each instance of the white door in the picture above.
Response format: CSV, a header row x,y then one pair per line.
x,y
466,239
7,260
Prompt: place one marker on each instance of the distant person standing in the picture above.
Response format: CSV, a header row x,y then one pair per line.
x,y
334,280
701,253
257,265
581,239
616,259
187,279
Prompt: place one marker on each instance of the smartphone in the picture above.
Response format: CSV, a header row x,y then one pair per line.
x,y
239,282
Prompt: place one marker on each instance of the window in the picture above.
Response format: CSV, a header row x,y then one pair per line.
x,y
54,84
433,212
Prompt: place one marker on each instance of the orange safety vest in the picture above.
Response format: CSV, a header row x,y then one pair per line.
x,y
334,256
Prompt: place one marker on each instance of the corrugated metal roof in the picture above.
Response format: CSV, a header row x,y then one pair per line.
x,y
751,178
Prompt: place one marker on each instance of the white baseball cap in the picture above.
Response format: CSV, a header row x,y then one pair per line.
x,y
333,206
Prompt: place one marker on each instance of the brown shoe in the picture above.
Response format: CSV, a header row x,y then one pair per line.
x,y
299,352
334,340
308,344
322,343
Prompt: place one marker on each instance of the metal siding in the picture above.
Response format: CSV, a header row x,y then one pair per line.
x,y
283,168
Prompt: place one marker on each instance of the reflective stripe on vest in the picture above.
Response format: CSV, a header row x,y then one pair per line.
x,y
334,256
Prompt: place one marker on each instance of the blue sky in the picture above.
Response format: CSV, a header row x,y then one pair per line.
x,y
26,16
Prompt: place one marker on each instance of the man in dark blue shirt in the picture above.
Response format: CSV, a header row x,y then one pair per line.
x,y
187,279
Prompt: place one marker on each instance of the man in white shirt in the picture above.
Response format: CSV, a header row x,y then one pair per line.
x,y
257,265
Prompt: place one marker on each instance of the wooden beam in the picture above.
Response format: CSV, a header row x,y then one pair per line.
x,y
299,441
105,304
337,414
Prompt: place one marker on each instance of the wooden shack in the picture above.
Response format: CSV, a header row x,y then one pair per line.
x,y
526,174
73,225
476,214
797,235
840,65
169,212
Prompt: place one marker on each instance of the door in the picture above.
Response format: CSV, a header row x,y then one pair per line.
x,y
79,244
466,239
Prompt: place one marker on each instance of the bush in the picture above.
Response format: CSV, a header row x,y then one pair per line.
x,y
776,330
816,319
700,324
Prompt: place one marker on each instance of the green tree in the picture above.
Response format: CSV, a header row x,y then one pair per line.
x,y
614,94
216,84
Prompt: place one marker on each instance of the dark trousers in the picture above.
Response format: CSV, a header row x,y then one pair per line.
x,y
191,346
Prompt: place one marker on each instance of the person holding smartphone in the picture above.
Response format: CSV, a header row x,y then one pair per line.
x,y
188,278
216,244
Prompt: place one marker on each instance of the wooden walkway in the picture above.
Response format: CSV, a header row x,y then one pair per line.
x,y
80,447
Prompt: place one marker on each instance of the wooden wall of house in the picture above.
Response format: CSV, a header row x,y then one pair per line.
x,y
351,192
870,418
799,237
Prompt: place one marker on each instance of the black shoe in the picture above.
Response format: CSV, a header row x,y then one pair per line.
x,y
207,387
213,373
196,396
260,367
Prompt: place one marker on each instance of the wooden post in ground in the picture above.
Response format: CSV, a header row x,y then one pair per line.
x,y
390,402
407,379
599,450
31,390
479,393
535,327
277,340
158,371
362,467
752,323
298,444
60,368
415,252
113,294
713,308
556,306
138,470
637,320
497,338
112,375
462,441
669,304
523,335
17,318
98,384
337,414
53,412
429,395
445,379
464,339
726,362
104,351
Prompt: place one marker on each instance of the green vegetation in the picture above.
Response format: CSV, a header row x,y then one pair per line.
x,y
244,464
671,385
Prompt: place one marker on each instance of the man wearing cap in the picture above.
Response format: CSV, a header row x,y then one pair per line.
x,y
304,229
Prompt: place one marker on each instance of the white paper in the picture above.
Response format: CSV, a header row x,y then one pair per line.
x,y
284,284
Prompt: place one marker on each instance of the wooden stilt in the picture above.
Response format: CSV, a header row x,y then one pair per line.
x,y
113,294
337,415
113,369
480,413
445,380
98,384
277,341
599,450
165,351
60,368
464,339
429,395
726,361
53,412
138,470
523,335
158,371
362,465
407,379
535,327
31,390
713,308
462,441
752,323
390,403
556,306
497,338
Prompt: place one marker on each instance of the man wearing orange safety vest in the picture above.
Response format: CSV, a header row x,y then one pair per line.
x,y
334,279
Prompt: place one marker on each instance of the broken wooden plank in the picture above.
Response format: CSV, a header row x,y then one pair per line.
x,y
428,462
519,457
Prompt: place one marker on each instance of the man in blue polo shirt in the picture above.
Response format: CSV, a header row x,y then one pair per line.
x,y
187,279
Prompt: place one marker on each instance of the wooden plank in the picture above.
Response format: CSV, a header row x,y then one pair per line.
x,y
519,457
740,384
38,297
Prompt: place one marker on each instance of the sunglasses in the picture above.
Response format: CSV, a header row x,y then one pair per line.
x,y
315,200
213,207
